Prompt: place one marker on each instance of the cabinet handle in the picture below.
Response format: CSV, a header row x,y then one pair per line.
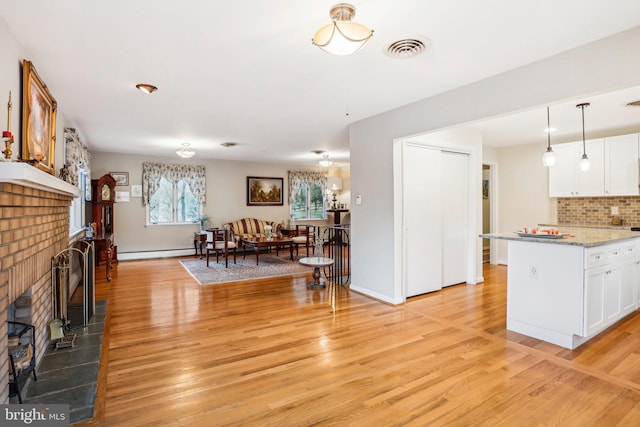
x,y
608,272
615,253
597,257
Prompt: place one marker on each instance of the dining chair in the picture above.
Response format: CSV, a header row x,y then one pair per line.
x,y
305,236
220,241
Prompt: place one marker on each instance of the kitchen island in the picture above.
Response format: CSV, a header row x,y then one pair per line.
x,y
566,289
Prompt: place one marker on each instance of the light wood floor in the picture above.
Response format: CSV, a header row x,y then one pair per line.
x,y
272,353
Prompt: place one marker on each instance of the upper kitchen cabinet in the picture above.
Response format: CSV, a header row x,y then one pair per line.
x,y
567,180
613,172
621,156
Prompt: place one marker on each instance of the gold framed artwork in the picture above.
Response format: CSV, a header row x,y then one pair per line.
x,y
263,191
38,120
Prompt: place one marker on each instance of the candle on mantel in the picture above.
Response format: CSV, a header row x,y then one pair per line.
x,y
7,133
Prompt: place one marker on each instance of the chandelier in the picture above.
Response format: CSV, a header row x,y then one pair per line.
x,y
186,152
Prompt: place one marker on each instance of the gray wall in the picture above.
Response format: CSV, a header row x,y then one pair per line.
x,y
604,65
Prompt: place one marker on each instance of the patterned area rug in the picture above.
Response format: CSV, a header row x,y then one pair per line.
x,y
246,269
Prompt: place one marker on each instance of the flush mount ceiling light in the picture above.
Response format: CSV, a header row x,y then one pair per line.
x,y
548,158
146,88
186,152
585,164
318,152
229,144
342,36
325,162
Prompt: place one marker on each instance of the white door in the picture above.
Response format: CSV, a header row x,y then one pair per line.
x,y
455,184
421,180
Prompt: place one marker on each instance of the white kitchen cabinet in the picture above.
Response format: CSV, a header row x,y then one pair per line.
x,y
565,177
621,160
610,288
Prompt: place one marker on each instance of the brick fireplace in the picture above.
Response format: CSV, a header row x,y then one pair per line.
x,y
34,227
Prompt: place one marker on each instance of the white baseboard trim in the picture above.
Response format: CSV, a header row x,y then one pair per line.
x,y
374,295
169,253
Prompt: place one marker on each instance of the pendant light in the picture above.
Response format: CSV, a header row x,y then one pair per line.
x,y
585,164
548,158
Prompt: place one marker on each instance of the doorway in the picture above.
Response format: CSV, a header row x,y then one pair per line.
x,y
489,211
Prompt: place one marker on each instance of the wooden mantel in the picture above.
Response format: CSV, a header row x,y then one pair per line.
x,y
29,176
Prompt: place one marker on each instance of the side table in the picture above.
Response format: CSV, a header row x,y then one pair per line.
x,y
316,262
199,239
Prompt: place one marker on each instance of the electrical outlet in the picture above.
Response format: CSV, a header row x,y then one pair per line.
x,y
614,210
533,271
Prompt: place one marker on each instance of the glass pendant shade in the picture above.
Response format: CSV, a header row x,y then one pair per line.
x,y
585,164
342,36
549,158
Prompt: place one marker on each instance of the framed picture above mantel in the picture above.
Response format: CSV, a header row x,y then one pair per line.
x,y
264,191
38,120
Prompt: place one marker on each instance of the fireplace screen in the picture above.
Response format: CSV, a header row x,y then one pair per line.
x,y
73,284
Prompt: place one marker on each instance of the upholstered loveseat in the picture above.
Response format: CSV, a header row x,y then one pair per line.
x,y
251,227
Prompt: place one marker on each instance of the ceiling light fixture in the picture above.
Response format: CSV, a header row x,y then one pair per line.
x,y
585,164
318,152
548,158
146,88
325,162
229,144
186,152
342,36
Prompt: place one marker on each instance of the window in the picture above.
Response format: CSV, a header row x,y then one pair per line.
x,y
173,204
306,195
308,203
173,194
76,211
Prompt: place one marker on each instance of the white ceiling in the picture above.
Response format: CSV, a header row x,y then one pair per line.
x,y
246,71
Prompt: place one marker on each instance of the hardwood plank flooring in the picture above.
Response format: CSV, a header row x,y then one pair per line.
x,y
273,353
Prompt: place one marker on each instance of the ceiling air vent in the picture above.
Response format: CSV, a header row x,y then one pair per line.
x,y
634,104
407,48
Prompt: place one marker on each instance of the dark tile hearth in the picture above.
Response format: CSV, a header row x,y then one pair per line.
x,y
70,375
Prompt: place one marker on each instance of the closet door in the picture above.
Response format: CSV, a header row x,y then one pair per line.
x,y
455,208
422,219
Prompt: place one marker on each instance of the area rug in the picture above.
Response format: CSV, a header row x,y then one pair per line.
x,y
246,269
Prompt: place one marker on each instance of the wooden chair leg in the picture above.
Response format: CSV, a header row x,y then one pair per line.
x,y
207,257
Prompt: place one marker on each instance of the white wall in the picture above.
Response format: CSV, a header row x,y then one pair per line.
x,y
524,191
225,199
604,65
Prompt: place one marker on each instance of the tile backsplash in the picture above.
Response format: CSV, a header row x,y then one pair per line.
x,y
596,211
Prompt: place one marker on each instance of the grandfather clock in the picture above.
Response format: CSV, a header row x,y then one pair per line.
x,y
103,195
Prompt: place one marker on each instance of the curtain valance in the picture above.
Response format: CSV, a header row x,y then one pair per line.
x,y
77,156
297,178
195,176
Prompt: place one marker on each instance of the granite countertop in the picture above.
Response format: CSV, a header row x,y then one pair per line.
x,y
578,236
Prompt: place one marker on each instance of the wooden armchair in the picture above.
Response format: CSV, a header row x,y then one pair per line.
x,y
305,236
220,241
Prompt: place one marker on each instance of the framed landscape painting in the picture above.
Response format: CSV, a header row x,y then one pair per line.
x,y
38,120
263,191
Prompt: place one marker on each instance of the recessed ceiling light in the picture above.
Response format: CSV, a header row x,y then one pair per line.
x,y
229,144
146,88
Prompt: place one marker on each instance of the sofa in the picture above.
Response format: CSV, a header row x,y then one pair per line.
x,y
251,227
